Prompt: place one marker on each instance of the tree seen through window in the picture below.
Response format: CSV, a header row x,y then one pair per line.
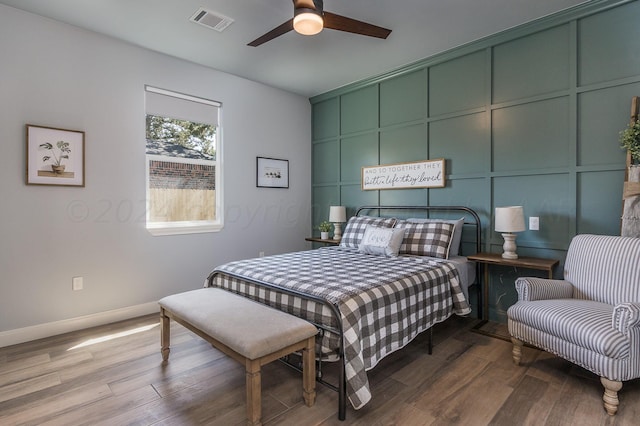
x,y
197,136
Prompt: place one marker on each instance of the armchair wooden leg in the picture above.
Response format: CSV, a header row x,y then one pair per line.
x,y
516,352
610,396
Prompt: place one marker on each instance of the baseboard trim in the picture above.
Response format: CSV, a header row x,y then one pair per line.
x,y
35,332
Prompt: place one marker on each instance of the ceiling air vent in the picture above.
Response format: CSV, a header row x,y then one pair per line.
x,y
211,19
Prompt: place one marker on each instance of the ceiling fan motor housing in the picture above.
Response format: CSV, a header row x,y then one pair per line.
x,y
308,6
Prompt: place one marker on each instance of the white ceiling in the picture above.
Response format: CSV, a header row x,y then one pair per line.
x,y
307,65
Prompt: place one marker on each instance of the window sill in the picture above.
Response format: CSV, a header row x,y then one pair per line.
x,y
179,228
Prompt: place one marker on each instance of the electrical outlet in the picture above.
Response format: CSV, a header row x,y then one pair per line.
x,y
77,284
261,254
534,223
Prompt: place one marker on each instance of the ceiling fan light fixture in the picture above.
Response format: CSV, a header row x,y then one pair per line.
x,y
309,18
307,21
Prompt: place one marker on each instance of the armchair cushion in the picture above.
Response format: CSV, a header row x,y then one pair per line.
x,y
583,323
530,289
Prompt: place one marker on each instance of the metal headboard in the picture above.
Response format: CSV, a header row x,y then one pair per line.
x,y
469,214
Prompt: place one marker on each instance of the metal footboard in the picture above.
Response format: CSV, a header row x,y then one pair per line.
x,y
342,383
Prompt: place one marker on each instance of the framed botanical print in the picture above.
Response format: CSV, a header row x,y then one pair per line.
x,y
55,156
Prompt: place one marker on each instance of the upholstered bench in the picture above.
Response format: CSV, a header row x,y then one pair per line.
x,y
247,331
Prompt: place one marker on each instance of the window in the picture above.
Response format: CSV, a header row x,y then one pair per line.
x,y
184,191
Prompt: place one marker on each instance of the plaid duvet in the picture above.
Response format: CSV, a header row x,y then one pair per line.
x,y
383,302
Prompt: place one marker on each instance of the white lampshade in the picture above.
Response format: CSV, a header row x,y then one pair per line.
x,y
510,219
337,214
307,23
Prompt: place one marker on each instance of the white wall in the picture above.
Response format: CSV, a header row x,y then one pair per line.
x,y
57,75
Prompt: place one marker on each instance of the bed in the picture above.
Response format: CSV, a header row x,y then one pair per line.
x,y
367,302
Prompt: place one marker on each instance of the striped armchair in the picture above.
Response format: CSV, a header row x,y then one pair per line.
x,y
591,317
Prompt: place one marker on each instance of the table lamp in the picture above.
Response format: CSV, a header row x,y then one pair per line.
x,y
337,215
509,220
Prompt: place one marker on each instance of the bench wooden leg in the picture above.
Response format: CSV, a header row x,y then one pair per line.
x,y
309,372
254,401
165,335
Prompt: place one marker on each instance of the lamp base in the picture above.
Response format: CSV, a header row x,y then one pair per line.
x,y
337,233
509,246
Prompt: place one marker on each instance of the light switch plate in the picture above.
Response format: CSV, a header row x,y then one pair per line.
x,y
534,223
77,284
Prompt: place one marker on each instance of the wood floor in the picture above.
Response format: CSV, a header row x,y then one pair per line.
x,y
77,379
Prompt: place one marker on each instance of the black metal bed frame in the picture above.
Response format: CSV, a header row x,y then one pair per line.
x,y
342,384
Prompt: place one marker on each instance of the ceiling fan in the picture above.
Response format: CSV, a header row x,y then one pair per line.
x,y
309,18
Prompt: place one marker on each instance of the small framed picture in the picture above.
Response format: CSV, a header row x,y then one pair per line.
x,y
272,173
54,156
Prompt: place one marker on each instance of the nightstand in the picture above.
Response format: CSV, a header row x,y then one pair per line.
x,y
320,240
488,259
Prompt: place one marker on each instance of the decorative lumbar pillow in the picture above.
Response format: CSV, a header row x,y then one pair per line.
x,y
381,241
457,231
356,226
426,239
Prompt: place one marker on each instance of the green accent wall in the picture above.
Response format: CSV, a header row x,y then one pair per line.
x,y
529,116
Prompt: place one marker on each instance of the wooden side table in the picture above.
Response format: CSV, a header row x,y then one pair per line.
x,y
488,259
320,240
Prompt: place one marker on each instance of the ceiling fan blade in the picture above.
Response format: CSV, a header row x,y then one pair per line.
x,y
276,32
342,23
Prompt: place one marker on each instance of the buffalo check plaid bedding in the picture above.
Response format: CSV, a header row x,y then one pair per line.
x,y
383,302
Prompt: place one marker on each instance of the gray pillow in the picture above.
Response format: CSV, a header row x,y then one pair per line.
x,y
431,239
356,226
457,231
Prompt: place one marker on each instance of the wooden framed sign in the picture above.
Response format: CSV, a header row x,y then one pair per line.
x,y
417,174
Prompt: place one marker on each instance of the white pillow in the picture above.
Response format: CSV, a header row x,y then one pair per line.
x,y
381,241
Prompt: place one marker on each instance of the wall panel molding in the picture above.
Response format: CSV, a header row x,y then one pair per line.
x,y
540,24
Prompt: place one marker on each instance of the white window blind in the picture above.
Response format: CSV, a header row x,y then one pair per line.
x,y
166,103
